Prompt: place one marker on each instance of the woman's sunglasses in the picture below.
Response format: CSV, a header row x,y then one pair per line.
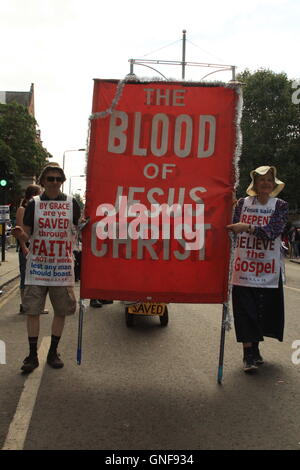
x,y
51,179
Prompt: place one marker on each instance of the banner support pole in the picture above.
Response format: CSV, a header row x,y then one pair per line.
x,y
81,226
222,343
80,329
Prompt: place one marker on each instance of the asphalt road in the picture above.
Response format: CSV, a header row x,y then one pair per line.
x,y
149,387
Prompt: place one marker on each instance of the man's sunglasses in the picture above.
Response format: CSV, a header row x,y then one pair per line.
x,y
51,179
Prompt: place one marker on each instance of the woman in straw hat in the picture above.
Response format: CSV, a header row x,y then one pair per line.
x,y
257,293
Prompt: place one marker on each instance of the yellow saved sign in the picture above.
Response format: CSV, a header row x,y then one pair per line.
x,y
147,309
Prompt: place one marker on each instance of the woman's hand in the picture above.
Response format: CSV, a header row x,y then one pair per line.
x,y
239,227
25,249
19,233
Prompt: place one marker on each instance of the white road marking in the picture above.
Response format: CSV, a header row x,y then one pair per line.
x,y
18,428
292,288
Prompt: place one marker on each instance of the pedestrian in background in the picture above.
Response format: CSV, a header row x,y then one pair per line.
x,y
293,234
257,293
31,190
49,222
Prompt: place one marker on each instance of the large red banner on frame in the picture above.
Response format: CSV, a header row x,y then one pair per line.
x,y
164,143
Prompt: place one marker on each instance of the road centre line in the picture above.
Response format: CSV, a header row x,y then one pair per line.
x,y
19,425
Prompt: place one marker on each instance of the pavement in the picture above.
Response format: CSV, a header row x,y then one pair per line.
x,y
9,269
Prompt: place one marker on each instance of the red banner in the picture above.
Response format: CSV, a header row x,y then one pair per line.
x,y
165,143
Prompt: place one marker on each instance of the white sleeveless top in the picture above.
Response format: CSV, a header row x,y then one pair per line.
x,y
257,261
50,260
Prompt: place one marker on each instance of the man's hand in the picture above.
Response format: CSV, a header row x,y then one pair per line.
x,y
83,223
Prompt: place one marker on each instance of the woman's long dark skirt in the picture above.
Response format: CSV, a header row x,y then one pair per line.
x,y
258,312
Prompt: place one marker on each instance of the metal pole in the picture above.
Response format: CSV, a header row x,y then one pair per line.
x,y
80,328
81,309
222,344
233,73
64,158
183,53
131,66
3,224
70,180
3,240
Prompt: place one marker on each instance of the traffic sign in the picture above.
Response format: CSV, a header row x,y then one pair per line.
x,y
4,214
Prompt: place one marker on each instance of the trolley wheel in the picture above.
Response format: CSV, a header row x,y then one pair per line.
x,y
129,318
164,319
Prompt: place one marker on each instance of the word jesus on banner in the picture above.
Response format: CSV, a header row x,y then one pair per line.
x,y
160,178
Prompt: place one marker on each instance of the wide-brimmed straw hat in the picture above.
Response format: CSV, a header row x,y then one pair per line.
x,y
51,167
262,170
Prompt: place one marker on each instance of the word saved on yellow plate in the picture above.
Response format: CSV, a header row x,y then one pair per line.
x,y
147,309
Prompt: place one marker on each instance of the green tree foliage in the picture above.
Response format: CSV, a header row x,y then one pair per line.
x,y
271,130
20,151
8,172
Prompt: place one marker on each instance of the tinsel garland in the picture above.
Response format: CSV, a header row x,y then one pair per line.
x,y
109,111
236,159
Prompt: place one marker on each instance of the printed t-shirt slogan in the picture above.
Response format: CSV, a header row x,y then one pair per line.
x,y
159,192
50,261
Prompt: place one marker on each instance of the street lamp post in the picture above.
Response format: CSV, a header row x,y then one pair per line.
x,y
70,181
64,159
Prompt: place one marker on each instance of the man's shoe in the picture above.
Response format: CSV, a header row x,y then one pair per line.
x,y
29,364
106,302
95,303
258,359
53,359
249,363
